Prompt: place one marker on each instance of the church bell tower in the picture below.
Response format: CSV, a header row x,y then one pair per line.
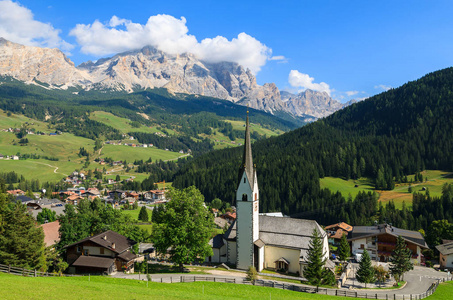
x,y
247,208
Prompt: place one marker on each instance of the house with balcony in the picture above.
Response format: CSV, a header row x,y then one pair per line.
x,y
380,241
103,253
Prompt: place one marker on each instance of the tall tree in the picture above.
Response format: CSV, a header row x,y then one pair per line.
x,y
314,271
345,249
185,227
21,241
143,215
365,273
400,261
46,215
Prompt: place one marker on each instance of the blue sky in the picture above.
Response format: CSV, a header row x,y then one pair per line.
x,y
350,49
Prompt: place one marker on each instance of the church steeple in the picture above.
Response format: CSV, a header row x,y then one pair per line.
x,y
247,160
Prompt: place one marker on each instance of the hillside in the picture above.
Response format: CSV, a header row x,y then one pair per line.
x,y
384,138
180,117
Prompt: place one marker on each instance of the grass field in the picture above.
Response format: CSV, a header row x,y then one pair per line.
x,y
113,288
444,291
400,194
436,179
121,152
240,125
122,124
346,187
16,121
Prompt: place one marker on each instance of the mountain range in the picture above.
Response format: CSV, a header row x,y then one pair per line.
x,y
152,68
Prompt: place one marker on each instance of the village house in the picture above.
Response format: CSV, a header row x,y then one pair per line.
x,y
16,192
154,195
266,242
445,255
380,240
103,253
336,231
117,194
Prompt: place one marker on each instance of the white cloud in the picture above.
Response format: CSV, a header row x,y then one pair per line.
x,y
383,87
17,24
351,93
170,35
304,81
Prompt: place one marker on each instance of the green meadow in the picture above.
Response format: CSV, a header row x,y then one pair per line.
x,y
346,187
128,153
96,287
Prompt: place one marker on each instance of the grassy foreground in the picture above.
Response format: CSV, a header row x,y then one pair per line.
x,y
114,288
444,291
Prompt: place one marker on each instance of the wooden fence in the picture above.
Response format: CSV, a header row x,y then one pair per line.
x,y
265,283
29,273
368,294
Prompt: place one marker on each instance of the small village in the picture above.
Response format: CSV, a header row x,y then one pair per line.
x,y
277,247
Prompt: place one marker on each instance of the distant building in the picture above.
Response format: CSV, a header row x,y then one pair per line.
x,y
380,241
336,231
446,255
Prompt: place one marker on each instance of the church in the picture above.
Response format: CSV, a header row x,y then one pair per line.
x,y
260,240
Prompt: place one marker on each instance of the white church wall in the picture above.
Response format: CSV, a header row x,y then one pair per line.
x,y
272,254
325,249
260,259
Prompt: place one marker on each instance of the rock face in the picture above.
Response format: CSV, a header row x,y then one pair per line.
x,y
312,103
152,68
34,64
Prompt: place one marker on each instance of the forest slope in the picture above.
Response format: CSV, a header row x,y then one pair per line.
x,y
384,138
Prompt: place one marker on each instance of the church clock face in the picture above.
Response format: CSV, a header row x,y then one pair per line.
x,y
255,206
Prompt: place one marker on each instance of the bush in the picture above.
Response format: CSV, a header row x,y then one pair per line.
x,y
252,274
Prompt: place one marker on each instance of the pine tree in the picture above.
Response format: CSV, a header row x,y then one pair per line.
x,y
365,273
143,215
345,249
400,262
314,271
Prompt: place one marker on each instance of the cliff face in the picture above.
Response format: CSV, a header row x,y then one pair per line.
x,y
151,68
34,64
312,103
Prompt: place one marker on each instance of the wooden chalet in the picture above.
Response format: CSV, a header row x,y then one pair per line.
x,y
104,253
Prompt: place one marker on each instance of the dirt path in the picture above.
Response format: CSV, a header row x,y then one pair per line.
x,y
55,170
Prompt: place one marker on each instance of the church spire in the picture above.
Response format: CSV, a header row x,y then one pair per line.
x,y
247,160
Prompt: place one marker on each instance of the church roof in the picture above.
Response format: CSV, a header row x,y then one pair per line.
x,y
287,232
247,160
282,232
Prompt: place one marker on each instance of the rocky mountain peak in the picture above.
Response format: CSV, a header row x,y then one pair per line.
x,y
150,68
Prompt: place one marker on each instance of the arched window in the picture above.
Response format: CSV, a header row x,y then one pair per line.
x,y
256,196
244,179
244,197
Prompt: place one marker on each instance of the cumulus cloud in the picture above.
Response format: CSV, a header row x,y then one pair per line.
x,y
352,93
304,81
17,24
170,35
383,87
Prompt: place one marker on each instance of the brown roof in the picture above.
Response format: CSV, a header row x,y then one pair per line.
x,y
414,237
445,249
338,234
110,240
341,225
94,262
127,256
51,234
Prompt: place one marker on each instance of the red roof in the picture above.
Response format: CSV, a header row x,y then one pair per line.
x,y
51,234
